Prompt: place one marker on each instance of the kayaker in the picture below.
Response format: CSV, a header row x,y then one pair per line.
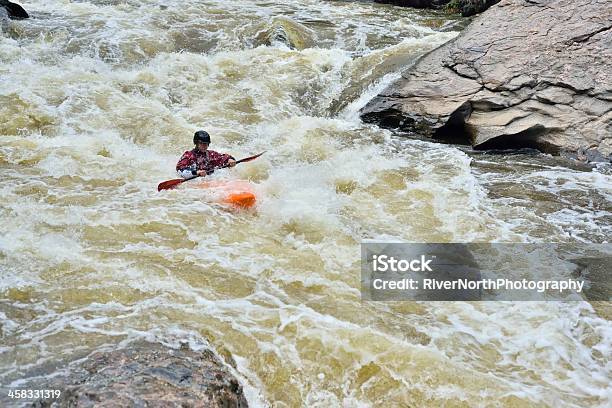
x,y
200,161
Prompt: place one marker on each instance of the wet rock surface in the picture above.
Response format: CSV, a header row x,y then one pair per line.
x,y
283,30
13,10
147,374
526,73
416,3
465,7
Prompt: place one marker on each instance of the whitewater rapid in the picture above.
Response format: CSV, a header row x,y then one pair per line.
x,y
98,99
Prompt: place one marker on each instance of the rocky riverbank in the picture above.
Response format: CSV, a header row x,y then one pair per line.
x,y
147,374
523,74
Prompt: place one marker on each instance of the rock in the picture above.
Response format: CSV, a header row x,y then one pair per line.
x,y
14,11
596,271
147,374
432,4
465,7
283,30
526,73
470,7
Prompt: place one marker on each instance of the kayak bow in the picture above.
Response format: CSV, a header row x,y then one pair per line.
x,y
238,193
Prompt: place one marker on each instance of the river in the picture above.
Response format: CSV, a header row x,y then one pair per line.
x,y
98,99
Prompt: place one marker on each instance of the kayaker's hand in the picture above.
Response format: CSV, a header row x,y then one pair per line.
x,y
231,163
201,173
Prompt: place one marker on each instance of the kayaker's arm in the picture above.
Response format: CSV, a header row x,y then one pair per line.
x,y
230,162
189,172
218,160
187,166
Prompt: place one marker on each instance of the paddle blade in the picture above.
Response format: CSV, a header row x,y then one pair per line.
x,y
167,185
249,158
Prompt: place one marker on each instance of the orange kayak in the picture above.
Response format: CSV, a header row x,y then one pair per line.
x,y
238,193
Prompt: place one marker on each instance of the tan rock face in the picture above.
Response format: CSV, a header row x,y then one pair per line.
x,y
532,73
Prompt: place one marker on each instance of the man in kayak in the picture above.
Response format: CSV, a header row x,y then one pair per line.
x,y
201,161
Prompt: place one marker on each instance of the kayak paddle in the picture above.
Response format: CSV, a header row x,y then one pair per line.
x,y
169,184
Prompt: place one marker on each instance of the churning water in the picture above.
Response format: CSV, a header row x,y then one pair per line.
x,y
99,98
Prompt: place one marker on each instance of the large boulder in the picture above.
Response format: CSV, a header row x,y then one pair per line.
x,y
14,11
526,73
146,374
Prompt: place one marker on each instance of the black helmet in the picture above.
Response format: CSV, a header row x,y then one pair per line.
x,y
201,136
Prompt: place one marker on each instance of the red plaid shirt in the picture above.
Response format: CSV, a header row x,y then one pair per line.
x,y
193,160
